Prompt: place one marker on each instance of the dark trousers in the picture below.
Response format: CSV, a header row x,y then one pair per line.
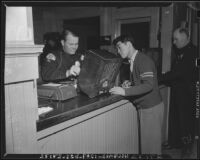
x,y
181,118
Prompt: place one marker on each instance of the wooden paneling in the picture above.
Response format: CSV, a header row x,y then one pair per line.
x,y
61,126
20,68
21,113
114,131
165,97
166,37
51,18
8,116
166,45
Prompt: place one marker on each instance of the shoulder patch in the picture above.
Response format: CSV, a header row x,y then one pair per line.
x,y
50,57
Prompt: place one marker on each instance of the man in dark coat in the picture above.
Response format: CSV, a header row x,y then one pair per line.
x,y
182,79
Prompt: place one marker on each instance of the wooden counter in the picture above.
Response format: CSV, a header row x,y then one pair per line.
x,y
72,108
104,124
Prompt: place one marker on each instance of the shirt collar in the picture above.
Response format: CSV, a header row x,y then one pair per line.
x,y
133,56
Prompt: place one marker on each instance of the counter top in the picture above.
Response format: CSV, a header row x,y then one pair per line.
x,y
72,108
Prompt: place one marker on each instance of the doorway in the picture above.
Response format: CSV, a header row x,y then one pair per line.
x,y
140,32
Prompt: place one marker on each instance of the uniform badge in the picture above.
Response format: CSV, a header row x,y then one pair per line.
x,y
51,57
82,57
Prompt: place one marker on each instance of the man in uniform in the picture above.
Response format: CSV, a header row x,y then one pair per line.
x,y
63,63
144,94
182,79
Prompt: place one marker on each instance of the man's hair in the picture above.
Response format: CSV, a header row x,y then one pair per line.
x,y
124,38
183,30
67,32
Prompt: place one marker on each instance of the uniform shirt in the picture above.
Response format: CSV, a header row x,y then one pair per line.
x,y
56,64
145,87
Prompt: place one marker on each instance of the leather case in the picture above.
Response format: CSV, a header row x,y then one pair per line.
x,y
98,72
56,92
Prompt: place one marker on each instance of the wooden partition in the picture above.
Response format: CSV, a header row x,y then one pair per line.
x,y
21,72
111,129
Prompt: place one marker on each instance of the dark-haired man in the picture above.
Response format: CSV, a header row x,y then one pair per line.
x,y
144,93
65,62
182,79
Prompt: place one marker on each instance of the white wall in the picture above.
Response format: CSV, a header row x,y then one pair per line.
x,y
19,27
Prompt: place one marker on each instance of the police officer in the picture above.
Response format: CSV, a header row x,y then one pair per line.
x,y
65,62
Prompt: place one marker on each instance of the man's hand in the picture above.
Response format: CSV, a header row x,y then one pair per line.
x,y
117,90
126,84
74,70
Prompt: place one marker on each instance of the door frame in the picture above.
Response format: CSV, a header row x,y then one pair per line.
x,y
128,21
132,20
137,14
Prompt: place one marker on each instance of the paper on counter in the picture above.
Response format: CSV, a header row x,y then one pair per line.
x,y
43,110
52,84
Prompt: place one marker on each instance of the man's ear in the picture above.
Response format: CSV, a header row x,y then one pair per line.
x,y
129,44
62,42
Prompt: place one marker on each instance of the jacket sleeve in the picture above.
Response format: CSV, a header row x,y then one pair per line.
x,y
145,87
179,71
50,70
147,77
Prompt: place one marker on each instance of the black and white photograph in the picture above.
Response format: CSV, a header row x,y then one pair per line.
x,y
100,80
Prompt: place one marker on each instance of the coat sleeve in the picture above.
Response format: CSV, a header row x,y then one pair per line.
x,y
181,70
50,70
